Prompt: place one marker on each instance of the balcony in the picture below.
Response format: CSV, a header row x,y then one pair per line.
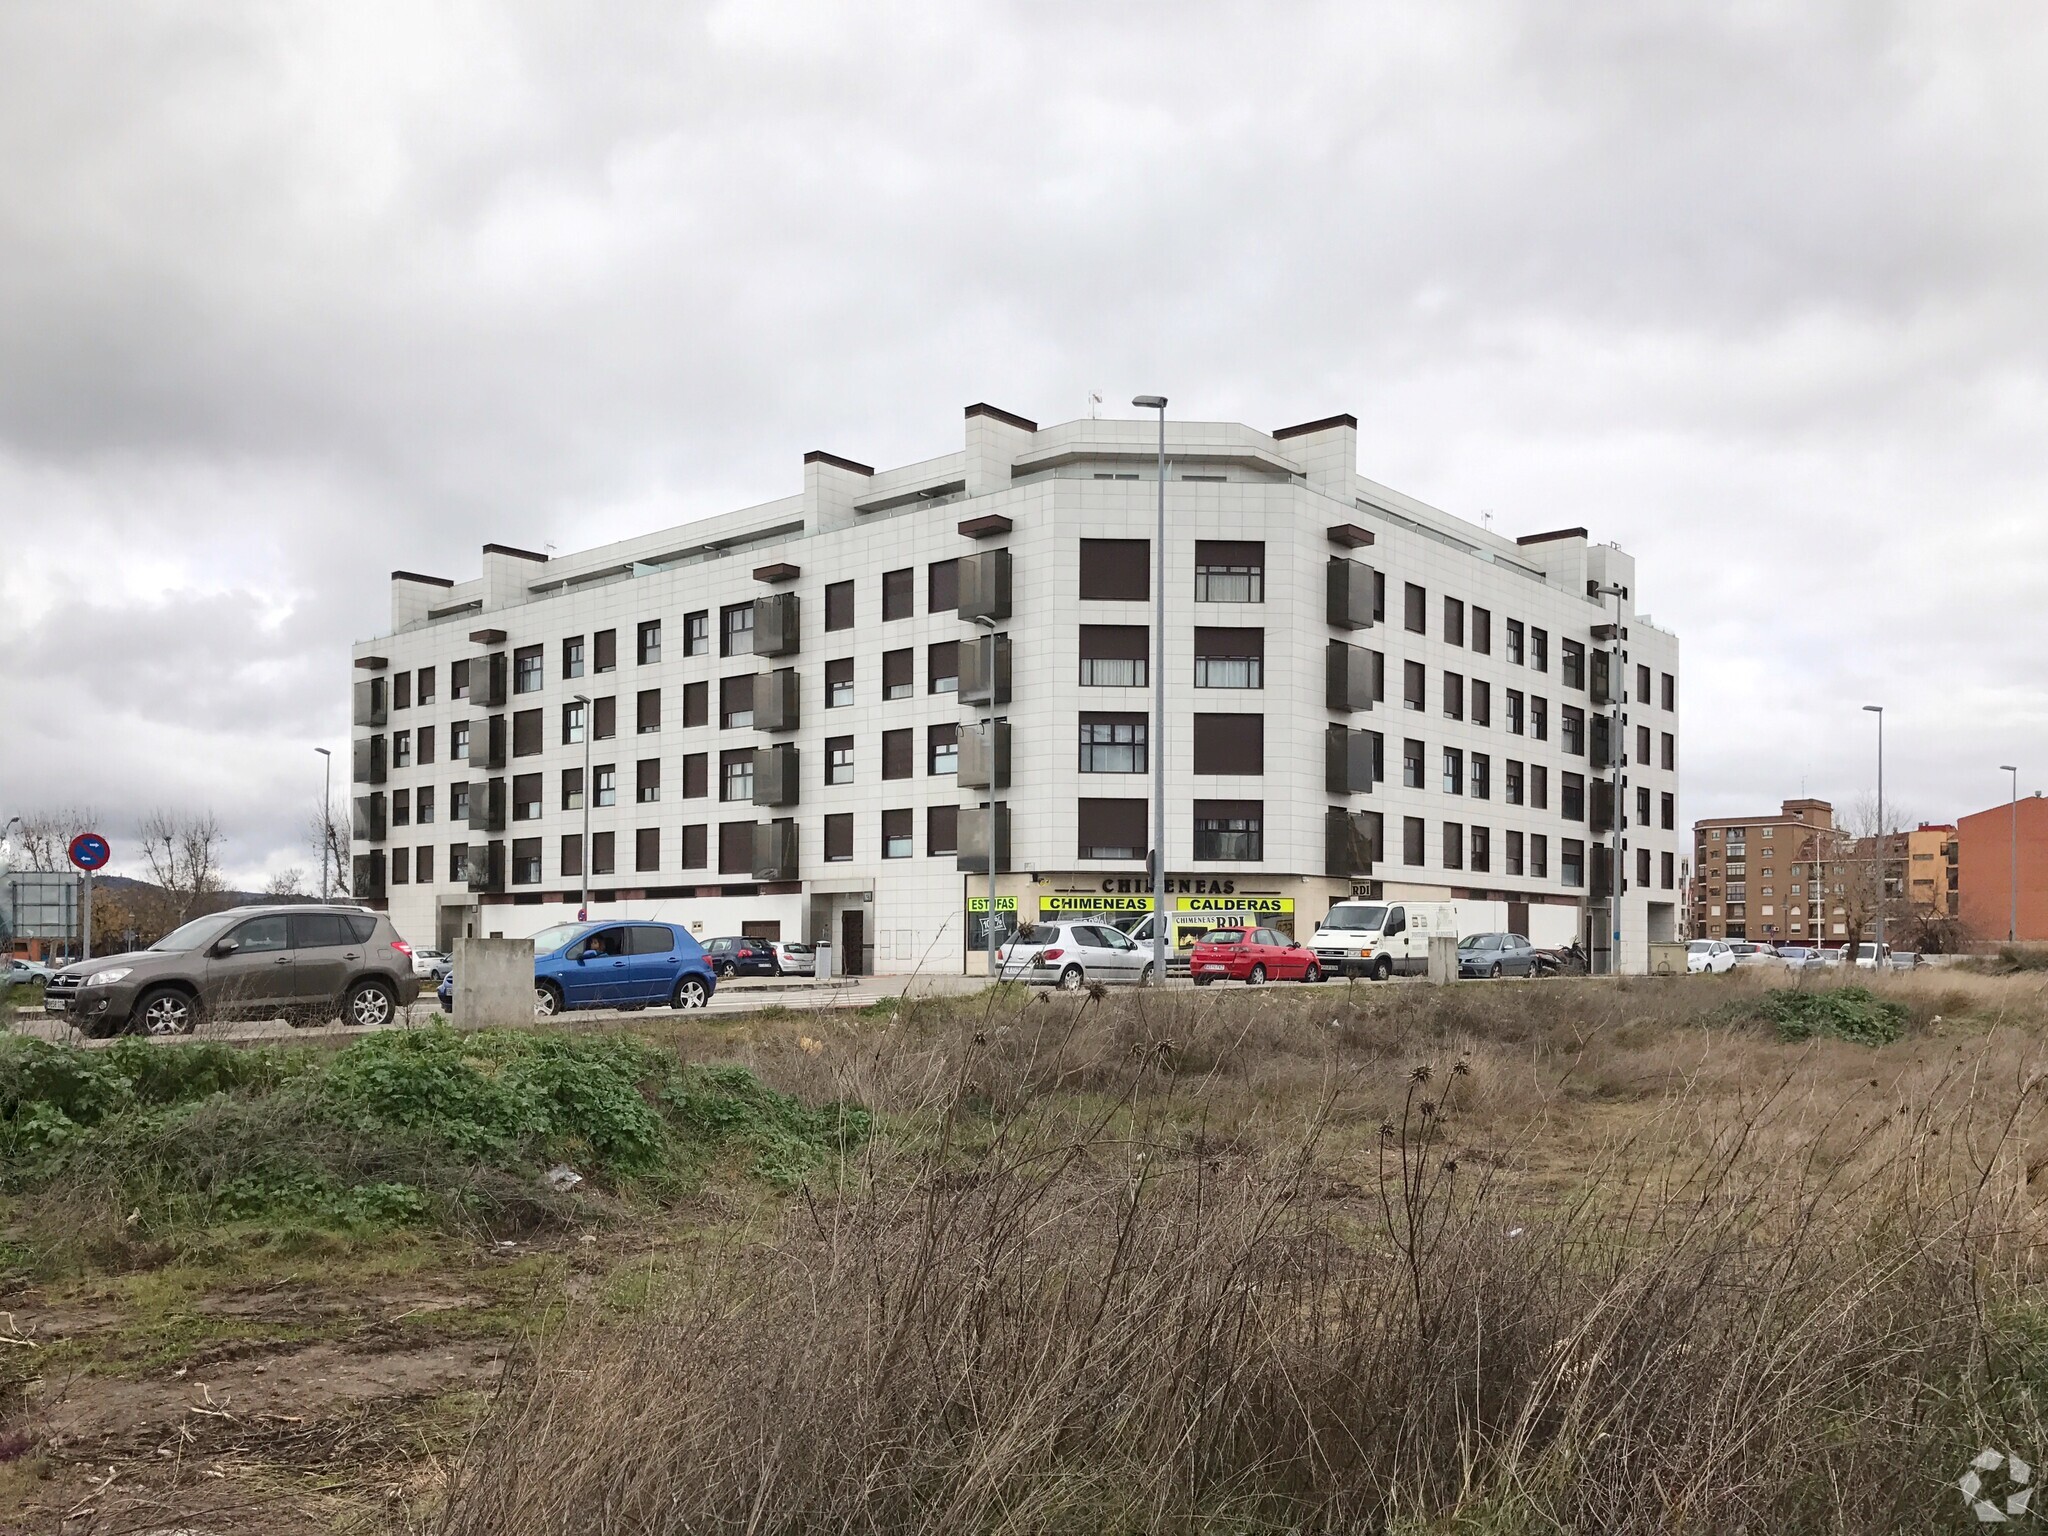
x,y
1348,593
984,755
371,695
368,884
778,625
776,774
484,867
1347,760
1599,874
778,700
985,670
1600,806
487,805
369,817
985,585
974,844
369,760
1600,742
1347,677
487,681
1347,844
487,747
775,848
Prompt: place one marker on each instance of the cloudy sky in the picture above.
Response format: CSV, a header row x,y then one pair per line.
x,y
294,294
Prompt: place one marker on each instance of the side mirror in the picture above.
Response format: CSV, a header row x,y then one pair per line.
x,y
225,948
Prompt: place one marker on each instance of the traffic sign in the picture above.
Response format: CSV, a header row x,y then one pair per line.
x,y
90,851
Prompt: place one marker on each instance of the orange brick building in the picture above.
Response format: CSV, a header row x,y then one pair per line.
x,y
1984,857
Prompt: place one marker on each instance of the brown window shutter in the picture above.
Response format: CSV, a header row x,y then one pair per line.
x,y
647,777
943,660
572,855
1230,552
1116,570
736,848
899,594
647,848
526,733
696,847
604,723
696,704
1112,825
735,694
1230,743
604,646
839,605
426,746
942,586
898,754
601,855
649,717
1116,642
839,837
899,670
696,776
942,829
1230,644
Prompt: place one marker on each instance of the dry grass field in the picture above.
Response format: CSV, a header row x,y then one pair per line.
x,y
1497,1258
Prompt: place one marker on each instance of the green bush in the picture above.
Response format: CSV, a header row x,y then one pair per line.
x,y
1843,1013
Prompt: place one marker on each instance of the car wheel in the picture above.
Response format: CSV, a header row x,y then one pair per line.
x,y
1494,974
368,1005
1072,979
547,1002
1382,968
727,969
1257,978
1313,973
689,993
1145,976
166,1011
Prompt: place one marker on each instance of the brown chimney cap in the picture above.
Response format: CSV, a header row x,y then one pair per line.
x,y
995,413
372,663
782,570
1555,533
820,456
425,581
487,637
1350,535
517,554
1306,427
984,527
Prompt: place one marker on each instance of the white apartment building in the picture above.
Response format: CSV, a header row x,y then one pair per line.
x,y
819,718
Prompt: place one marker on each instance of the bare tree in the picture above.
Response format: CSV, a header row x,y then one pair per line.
x,y
183,855
45,837
286,883
1865,871
329,828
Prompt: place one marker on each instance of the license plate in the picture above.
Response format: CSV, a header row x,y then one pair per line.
x,y
54,1004
1216,968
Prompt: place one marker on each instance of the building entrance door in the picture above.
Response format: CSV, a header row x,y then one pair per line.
x,y
852,956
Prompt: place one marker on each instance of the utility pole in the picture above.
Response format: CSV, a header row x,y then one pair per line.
x,y
1157,746
1617,691
583,861
1878,954
988,743
326,817
2012,915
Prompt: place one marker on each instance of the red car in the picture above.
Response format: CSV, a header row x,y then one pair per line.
x,y
1252,955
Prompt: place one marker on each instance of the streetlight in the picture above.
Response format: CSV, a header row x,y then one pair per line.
x,y
988,743
2012,921
583,854
1158,745
1878,710
326,818
1617,692
6,845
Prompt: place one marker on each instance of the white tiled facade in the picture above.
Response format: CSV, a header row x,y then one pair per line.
x,y
1037,494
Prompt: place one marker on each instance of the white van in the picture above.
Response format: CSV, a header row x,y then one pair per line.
x,y
1383,938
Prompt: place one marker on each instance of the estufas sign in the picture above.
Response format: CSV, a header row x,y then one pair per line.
x,y
980,903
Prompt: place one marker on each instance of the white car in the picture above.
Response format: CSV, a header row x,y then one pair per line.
x,y
1712,956
431,964
1070,955
795,959
1869,957
1747,952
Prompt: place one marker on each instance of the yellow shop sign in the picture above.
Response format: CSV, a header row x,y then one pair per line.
x,y
1265,905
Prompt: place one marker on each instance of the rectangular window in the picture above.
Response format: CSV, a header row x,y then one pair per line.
x,y
1230,658
1116,656
647,781
1539,856
1571,796
1514,697
942,586
426,753
526,733
839,683
1539,649
696,704
941,830
401,807
899,674
1667,754
736,848
1667,813
425,689
696,775
647,848
1112,829
899,594
1454,621
1511,782
697,633
839,606
1642,692
898,834
1643,812
423,864
650,642
1482,702
572,856
1229,571
1412,834
1664,872
526,669
838,759
736,702
1643,870
604,646
1515,641
1116,570
572,724
1571,862
696,849
1669,683
1414,686
1414,608
1482,776
899,754
736,629
458,802
942,748
401,749
604,718
1643,746
458,741
1453,845
572,660
526,861
1512,864
839,837
736,776
1379,597
458,680
423,804
1113,744
1454,771
1230,744
401,690
1539,717
1573,669
572,789
1454,696
1411,764
1539,787
1230,831
647,719
1379,676
1482,850
1571,729
1482,630
603,853
942,667
526,797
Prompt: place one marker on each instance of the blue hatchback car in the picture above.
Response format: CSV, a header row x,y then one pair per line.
x,y
613,965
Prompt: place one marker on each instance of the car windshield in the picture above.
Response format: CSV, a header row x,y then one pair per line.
x,y
1356,917
1479,941
548,940
197,934
1698,947
1224,936
1037,933
1865,951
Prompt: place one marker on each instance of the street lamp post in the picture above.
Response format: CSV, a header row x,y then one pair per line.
x,y
1878,710
1617,685
583,857
1158,743
988,743
2012,918
326,817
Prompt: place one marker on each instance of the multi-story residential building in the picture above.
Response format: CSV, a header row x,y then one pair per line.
x,y
1770,877
1931,878
823,717
2002,871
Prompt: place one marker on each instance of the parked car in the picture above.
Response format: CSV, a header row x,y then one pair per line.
x,y
1070,955
1496,954
1831,955
1749,953
1138,930
1252,955
742,956
1799,957
612,965
794,959
1712,956
430,964
1568,961
297,962
24,973
1907,960
1872,957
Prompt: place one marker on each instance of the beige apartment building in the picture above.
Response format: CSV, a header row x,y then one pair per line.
x,y
1932,869
1767,877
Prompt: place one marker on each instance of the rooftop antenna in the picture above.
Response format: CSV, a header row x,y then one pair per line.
x,y
1486,520
1094,405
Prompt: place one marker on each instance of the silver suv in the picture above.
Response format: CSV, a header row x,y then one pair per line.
x,y
299,963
